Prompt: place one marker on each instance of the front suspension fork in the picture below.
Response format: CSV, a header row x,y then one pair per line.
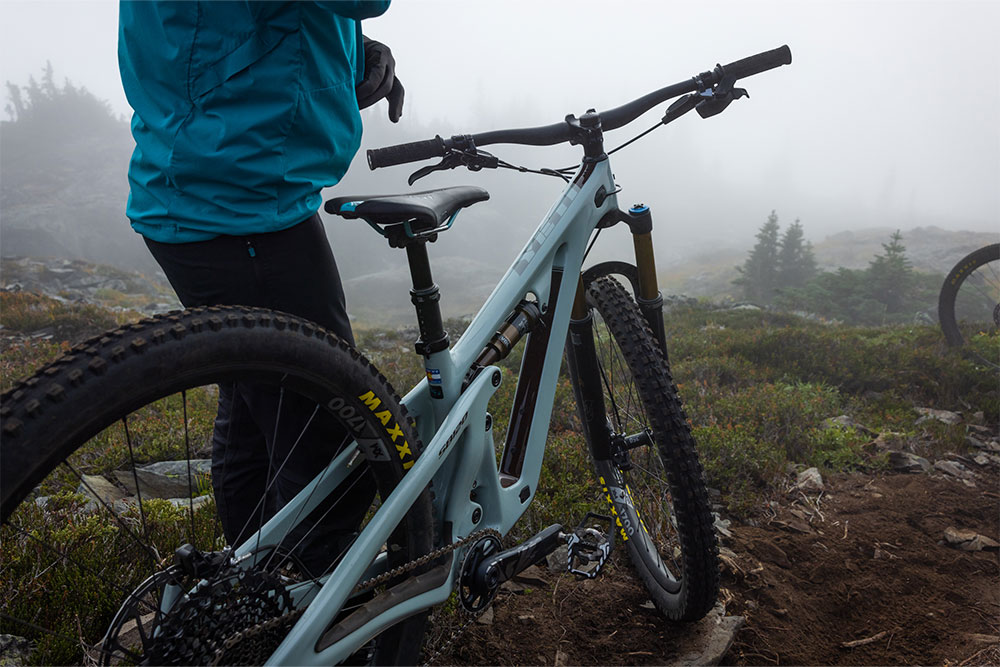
x,y
648,296
581,351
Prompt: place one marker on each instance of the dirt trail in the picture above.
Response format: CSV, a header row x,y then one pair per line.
x,y
865,559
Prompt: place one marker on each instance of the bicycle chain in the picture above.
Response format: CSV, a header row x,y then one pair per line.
x,y
378,580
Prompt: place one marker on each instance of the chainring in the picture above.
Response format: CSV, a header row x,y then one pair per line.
x,y
475,599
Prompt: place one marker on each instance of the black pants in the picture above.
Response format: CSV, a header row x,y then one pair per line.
x,y
253,446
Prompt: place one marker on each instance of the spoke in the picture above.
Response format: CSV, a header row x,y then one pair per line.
x,y
73,638
138,491
187,453
146,546
295,522
80,566
318,522
988,294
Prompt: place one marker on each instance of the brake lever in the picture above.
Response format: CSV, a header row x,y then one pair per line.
x,y
449,161
717,99
473,161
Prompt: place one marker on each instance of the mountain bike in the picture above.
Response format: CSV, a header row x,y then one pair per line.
x,y
166,589
969,303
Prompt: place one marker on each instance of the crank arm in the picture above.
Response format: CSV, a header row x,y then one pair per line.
x,y
507,564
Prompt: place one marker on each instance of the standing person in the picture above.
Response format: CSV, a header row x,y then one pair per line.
x,y
243,112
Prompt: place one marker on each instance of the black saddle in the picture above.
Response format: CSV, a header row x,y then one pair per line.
x,y
426,212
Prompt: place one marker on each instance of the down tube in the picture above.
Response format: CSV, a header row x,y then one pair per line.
x,y
557,245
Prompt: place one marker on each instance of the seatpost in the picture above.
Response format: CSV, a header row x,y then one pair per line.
x,y
425,296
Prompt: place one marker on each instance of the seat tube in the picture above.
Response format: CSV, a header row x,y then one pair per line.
x,y
581,356
650,302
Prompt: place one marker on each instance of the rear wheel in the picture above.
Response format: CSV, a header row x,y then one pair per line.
x,y
107,472
653,480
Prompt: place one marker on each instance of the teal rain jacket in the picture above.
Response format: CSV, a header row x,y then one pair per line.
x,y
243,111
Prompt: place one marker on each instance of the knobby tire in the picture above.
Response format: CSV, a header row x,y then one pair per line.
x,y
660,505
50,418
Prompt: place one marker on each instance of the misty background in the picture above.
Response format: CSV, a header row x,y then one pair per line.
x,y
887,118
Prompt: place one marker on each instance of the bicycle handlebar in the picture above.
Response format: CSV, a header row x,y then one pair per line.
x,y
557,133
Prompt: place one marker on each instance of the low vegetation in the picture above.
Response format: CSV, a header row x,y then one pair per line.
x,y
763,390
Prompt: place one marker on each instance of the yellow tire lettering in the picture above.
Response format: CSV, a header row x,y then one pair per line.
x,y
404,449
370,400
394,431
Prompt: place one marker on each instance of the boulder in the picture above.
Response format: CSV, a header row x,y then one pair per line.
x,y
809,480
954,468
969,540
99,491
944,416
165,479
907,462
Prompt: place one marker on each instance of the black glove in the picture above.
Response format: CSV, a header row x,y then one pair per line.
x,y
380,80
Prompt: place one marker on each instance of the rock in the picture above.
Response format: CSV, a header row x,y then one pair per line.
x,y
14,650
906,462
985,445
722,525
166,479
969,540
557,560
99,491
532,577
561,659
955,469
711,637
983,431
890,440
980,459
486,618
945,416
809,480
192,502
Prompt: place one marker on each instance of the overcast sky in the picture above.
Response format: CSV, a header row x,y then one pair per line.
x,y
888,116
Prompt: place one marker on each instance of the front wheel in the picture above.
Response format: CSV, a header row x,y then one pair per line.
x,y
653,480
112,462
969,303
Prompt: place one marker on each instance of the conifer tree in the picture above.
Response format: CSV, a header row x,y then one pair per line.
x,y
890,275
759,273
796,261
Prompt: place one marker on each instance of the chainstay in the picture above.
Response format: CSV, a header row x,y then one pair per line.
x,y
426,558
385,577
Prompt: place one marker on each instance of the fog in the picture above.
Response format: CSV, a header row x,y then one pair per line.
x,y
888,116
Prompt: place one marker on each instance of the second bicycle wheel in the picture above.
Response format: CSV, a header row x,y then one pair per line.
x,y
107,473
654,481
969,304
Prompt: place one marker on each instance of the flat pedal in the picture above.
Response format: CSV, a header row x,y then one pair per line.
x,y
590,544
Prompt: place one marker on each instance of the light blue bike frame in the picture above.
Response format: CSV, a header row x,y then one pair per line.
x,y
459,452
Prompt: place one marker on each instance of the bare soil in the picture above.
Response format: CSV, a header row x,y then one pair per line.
x,y
864,560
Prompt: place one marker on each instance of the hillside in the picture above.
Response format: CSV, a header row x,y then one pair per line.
x,y
842,461
709,273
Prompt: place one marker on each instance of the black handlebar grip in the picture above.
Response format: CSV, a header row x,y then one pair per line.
x,y
759,63
403,153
